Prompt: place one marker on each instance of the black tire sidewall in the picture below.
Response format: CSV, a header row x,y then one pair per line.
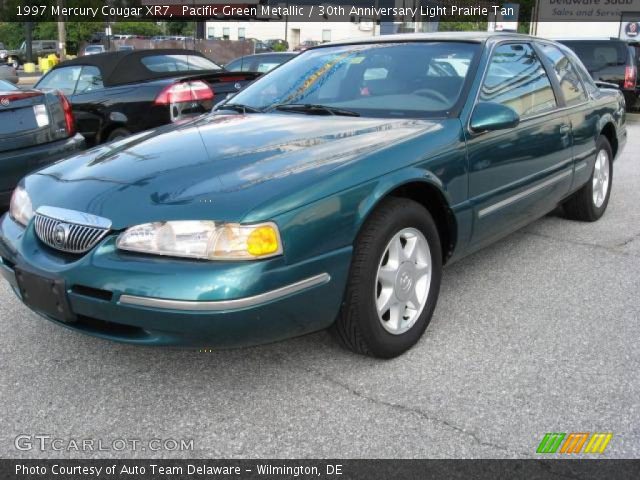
x,y
380,341
118,134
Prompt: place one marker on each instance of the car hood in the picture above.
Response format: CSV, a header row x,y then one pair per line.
x,y
219,167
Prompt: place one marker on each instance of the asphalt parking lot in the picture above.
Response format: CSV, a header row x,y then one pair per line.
x,y
538,333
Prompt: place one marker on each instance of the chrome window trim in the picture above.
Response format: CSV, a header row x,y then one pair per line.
x,y
220,305
557,109
523,194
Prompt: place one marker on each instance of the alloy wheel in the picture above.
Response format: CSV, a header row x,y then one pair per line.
x,y
600,178
403,281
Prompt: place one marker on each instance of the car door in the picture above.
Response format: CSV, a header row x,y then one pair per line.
x,y
582,117
517,175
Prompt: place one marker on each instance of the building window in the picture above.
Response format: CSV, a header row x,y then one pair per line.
x,y
326,35
226,33
211,32
241,35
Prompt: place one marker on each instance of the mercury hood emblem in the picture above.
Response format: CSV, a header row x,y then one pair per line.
x,y
5,102
60,234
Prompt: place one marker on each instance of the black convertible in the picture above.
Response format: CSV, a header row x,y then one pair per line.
x,y
117,94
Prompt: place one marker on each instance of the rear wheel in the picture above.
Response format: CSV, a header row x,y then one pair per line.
x,y
590,202
118,134
15,63
394,281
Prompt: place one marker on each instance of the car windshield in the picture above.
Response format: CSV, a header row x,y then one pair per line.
x,y
411,79
94,49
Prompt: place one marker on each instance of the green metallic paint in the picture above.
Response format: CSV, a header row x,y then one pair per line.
x,y
318,178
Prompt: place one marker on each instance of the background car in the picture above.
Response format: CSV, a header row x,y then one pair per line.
x,y
36,129
612,61
9,74
116,94
39,48
3,53
125,48
94,49
262,62
277,45
306,45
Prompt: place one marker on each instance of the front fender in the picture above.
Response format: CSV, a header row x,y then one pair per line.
x,y
333,223
391,182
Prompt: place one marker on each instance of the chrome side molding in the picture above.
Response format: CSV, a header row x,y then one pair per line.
x,y
219,305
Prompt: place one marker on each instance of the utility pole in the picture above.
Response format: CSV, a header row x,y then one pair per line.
x,y
62,34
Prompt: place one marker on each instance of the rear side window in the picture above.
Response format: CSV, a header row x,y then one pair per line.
x,y
517,79
599,55
570,83
178,63
90,79
241,65
63,79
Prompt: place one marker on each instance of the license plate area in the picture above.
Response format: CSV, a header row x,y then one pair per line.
x,y
45,295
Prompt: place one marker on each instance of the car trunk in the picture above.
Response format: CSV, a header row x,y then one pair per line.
x,y
29,118
225,83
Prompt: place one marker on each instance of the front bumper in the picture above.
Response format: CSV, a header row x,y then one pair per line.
x,y
15,164
158,301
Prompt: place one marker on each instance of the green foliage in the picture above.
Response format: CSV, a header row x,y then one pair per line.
x,y
148,29
278,47
11,34
186,29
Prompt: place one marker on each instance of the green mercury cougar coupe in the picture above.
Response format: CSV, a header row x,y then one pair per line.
x,y
327,194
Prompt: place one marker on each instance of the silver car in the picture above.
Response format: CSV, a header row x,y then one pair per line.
x,y
8,73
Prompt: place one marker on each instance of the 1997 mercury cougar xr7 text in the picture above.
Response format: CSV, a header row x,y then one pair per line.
x,y
329,193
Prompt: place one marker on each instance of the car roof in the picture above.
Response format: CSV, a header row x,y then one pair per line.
x,y
119,68
476,37
267,54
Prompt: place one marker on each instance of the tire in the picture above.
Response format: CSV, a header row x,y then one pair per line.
x,y
360,326
15,63
118,134
583,205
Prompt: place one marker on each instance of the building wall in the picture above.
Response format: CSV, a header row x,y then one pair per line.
x,y
296,32
576,29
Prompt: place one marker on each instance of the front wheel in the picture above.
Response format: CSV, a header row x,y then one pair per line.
x,y
590,202
394,281
15,63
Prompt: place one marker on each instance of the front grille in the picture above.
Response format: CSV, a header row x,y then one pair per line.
x,y
70,231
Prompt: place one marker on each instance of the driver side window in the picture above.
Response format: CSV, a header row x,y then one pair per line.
x,y
516,78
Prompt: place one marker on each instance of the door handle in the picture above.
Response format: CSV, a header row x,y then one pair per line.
x,y
565,129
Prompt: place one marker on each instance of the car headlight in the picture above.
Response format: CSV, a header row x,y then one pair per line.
x,y
21,209
205,240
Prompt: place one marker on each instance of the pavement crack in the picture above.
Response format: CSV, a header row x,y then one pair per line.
x,y
613,249
414,411
628,241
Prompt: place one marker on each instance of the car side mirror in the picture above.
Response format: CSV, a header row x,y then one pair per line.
x,y
489,116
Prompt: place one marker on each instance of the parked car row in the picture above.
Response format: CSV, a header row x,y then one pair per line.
x,y
328,193
117,94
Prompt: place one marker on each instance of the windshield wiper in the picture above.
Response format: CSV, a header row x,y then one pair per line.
x,y
237,107
314,109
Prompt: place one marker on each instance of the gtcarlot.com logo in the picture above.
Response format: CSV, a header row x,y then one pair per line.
x,y
45,442
574,443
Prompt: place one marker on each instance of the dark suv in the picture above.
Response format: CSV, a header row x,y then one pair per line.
x,y
612,61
